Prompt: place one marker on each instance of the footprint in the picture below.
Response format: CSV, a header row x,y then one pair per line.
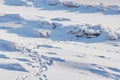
x,y
102,56
80,56
53,53
23,60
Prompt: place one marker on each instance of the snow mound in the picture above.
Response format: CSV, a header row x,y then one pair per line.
x,y
118,33
100,6
94,31
45,24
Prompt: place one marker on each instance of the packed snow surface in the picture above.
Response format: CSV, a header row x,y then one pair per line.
x,y
59,39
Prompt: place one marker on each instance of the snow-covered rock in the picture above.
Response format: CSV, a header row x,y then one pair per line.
x,y
78,31
55,25
41,32
91,33
114,7
45,24
86,30
117,32
112,36
70,4
79,34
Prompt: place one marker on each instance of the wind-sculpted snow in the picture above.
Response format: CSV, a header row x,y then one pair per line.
x,y
74,5
45,28
82,8
12,66
95,69
7,46
16,3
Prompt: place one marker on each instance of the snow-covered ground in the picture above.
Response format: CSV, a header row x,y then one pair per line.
x,y
59,40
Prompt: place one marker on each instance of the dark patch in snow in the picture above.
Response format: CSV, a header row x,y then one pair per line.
x,y
52,53
102,56
81,56
24,60
47,46
60,19
57,59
